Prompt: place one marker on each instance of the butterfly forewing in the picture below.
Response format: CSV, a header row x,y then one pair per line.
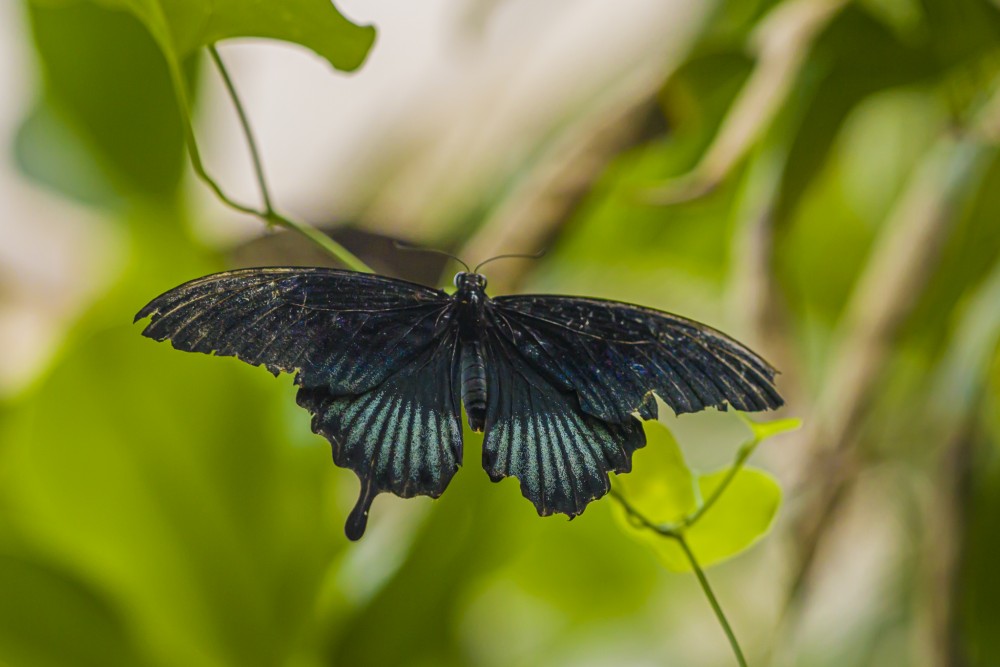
x,y
612,355
341,330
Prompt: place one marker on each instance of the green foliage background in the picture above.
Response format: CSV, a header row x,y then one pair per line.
x,y
166,509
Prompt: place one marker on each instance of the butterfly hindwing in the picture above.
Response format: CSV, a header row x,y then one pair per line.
x,y
612,355
537,433
403,436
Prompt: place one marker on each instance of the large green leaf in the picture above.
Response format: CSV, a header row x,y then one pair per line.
x,y
170,484
118,80
183,26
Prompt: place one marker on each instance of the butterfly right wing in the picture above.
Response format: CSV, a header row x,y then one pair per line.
x,y
571,375
614,355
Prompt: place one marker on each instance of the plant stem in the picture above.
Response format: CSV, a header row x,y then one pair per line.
x,y
671,530
258,165
677,533
349,259
663,529
268,215
703,580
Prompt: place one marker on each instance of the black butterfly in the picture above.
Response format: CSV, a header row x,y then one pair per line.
x,y
557,383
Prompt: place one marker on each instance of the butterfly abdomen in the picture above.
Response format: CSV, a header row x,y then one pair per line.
x,y
474,384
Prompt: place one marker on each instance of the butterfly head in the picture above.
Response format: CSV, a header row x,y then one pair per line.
x,y
467,281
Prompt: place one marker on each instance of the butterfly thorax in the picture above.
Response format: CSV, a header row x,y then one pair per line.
x,y
471,302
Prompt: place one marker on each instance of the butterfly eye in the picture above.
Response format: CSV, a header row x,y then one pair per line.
x,y
458,279
482,281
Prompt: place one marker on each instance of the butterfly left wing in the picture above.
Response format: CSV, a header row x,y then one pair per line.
x,y
569,377
613,355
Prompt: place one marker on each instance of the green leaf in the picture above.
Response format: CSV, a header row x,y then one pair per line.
x,y
742,515
172,485
660,485
184,26
662,489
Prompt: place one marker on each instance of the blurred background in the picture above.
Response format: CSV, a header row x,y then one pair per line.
x,y
819,178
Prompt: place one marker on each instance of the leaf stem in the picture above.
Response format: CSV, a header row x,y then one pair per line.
x,y
712,600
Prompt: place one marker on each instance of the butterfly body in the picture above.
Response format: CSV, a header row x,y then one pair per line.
x,y
557,384
471,304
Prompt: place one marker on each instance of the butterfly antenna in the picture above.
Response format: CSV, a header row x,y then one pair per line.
x,y
399,245
536,255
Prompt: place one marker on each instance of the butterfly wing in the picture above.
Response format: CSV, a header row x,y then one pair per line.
x,y
536,432
342,330
612,355
374,358
403,436
568,376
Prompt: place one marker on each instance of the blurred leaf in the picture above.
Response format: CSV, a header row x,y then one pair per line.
x,y
967,257
854,58
742,515
108,119
980,578
51,152
869,165
960,30
50,619
169,482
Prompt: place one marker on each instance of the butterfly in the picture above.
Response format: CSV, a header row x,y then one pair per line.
x,y
558,384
